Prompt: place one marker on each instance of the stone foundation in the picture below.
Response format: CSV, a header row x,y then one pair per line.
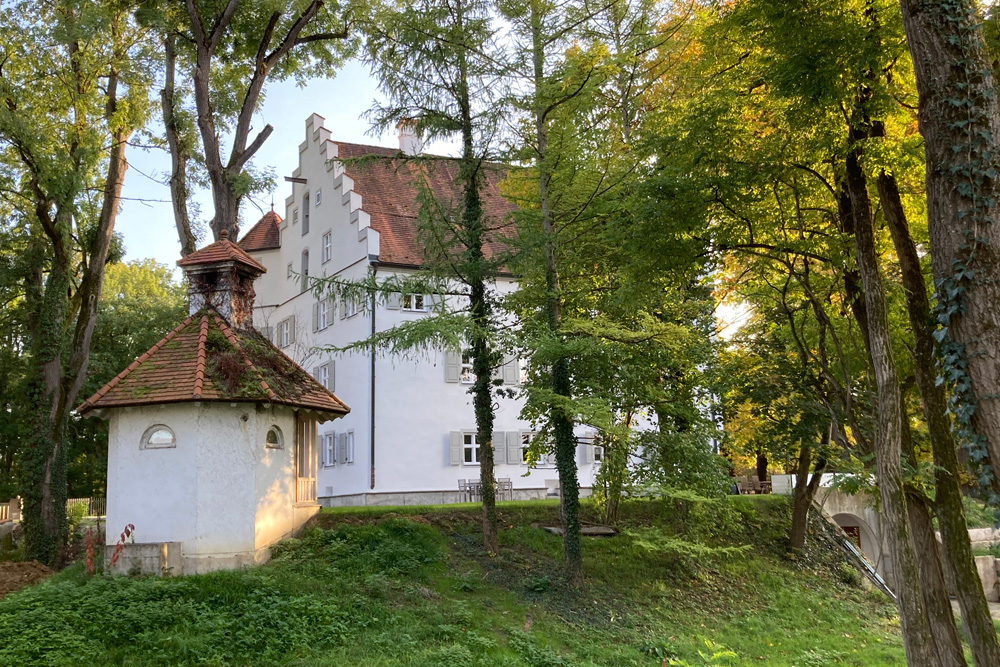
x,y
429,497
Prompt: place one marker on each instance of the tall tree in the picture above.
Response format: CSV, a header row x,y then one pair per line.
x,y
433,60
74,87
225,52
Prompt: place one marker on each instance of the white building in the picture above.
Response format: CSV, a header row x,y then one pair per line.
x,y
212,433
410,436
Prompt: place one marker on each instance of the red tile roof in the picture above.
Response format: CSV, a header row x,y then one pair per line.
x,y
222,250
265,235
390,188
203,359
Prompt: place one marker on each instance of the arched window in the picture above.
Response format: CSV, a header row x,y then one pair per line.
x,y
158,436
274,439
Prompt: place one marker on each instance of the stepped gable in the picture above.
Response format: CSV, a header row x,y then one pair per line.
x,y
204,359
389,191
265,235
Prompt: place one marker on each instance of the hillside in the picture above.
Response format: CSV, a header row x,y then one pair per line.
x,y
688,581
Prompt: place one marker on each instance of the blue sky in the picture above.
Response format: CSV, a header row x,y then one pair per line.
x,y
146,220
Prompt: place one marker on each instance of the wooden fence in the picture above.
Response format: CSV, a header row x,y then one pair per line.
x,y
95,506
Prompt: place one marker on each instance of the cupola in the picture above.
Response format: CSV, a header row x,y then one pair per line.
x,y
221,275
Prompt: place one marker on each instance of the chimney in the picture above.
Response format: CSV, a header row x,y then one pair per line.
x,y
221,276
409,142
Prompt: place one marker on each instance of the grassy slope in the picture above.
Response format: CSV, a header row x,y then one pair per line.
x,y
412,587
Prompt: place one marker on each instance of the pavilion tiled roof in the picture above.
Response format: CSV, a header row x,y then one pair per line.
x,y
389,186
204,359
265,235
222,250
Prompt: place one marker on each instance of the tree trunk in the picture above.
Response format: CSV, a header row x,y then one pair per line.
x,y
948,497
562,424
890,424
805,491
483,357
180,151
762,466
960,123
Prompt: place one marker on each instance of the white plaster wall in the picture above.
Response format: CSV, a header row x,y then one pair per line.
x,y
220,492
153,489
274,481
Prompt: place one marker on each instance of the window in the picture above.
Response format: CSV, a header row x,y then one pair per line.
x,y
158,436
470,449
295,216
598,453
319,198
329,442
350,447
539,459
327,246
291,270
324,374
274,440
465,372
350,308
286,332
522,371
324,314
413,302
305,214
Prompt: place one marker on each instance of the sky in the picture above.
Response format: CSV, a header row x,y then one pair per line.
x,y
146,219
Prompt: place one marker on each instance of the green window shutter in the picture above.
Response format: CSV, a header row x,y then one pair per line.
x,y
588,453
342,448
343,308
315,316
452,366
456,448
394,301
510,371
330,381
499,447
268,333
291,329
316,372
514,448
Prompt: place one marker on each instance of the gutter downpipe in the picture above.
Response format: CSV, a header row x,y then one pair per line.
x,y
374,265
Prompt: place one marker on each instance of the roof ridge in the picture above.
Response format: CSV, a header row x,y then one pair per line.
x,y
199,376
100,393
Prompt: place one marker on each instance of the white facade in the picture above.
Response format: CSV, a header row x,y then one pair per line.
x,y
413,449
214,498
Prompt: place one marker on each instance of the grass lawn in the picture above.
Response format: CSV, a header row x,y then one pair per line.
x,y
689,582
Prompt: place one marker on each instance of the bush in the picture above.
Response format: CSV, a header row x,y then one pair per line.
x,y
848,575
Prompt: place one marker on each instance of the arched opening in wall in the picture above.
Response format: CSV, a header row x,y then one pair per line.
x,y
861,534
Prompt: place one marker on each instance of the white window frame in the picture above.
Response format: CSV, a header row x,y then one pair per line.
x,y
295,216
323,375
325,318
545,460
416,303
522,370
350,308
350,447
281,438
470,448
283,337
330,449
598,453
465,373
327,252
146,443
319,197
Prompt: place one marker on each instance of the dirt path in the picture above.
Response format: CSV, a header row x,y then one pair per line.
x,y
18,575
